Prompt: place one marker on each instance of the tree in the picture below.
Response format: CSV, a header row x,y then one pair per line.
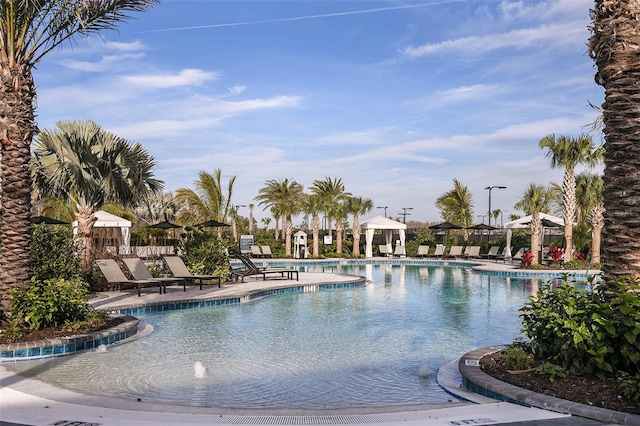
x,y
331,192
496,214
357,206
535,200
312,205
456,206
88,167
613,45
207,201
590,195
567,153
286,197
29,30
251,207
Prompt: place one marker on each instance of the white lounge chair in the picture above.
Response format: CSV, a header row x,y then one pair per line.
x,y
114,275
140,272
399,252
423,251
179,270
454,252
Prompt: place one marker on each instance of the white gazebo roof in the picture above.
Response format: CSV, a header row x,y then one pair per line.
x,y
381,222
524,222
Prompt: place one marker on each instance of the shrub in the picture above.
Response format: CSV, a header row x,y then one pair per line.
x,y
527,258
516,357
555,254
53,302
629,387
54,253
552,370
203,253
590,332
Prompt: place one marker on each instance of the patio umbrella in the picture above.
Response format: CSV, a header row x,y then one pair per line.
x,y
445,226
212,224
165,224
481,227
47,221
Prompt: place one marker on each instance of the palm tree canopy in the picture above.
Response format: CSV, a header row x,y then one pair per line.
x,y
567,152
456,205
589,192
207,201
536,199
31,29
81,163
283,195
331,191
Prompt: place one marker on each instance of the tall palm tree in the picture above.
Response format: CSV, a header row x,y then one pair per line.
x,y
331,191
157,208
613,46
456,206
536,200
29,30
286,196
339,215
567,153
357,206
87,167
590,196
312,205
207,201
251,207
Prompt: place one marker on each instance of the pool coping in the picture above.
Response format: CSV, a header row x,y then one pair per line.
x,y
477,381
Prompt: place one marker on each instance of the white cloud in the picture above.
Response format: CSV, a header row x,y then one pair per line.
x,y
186,77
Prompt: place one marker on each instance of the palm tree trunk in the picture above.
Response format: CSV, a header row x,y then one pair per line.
x,y
287,240
339,237
614,46
536,230
356,235
568,211
84,216
315,227
16,132
596,220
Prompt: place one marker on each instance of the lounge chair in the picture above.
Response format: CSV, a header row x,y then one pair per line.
x,y
250,269
140,272
179,270
266,251
399,252
255,251
423,251
471,252
492,253
518,255
384,250
454,252
114,275
439,251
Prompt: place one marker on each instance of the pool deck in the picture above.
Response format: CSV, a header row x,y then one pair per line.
x,y
24,401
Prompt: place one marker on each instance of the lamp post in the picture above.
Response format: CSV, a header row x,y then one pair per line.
x,y
482,216
490,188
404,214
238,206
385,210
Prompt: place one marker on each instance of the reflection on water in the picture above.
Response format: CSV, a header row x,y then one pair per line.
x,y
376,345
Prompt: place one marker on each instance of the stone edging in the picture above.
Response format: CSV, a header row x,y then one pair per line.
x,y
26,351
475,380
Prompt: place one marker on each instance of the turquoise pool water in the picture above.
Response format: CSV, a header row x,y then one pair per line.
x,y
378,345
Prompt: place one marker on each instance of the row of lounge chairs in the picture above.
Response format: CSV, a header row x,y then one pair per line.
x,y
468,252
142,277
261,251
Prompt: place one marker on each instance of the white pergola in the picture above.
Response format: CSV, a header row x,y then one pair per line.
x,y
107,220
385,224
524,223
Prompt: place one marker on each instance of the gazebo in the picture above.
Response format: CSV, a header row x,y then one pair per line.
x,y
385,224
104,219
548,221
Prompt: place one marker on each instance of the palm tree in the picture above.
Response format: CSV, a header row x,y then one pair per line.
x,y
358,206
535,200
613,41
567,153
590,195
339,215
286,197
207,201
251,207
496,214
87,167
331,191
456,206
29,30
312,205
157,208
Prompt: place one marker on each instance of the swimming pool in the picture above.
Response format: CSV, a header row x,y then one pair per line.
x,y
378,345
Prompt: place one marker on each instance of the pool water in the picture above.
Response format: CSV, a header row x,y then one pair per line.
x,y
377,345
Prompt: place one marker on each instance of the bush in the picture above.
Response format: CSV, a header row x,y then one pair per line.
x,y
52,302
204,254
589,332
54,253
516,357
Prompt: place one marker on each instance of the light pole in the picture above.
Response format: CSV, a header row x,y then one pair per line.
x,y
385,210
238,206
404,213
482,216
490,188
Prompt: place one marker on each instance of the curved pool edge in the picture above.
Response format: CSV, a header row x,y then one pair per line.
x,y
62,346
477,381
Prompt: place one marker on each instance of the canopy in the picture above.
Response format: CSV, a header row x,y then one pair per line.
x,y
525,222
385,224
108,220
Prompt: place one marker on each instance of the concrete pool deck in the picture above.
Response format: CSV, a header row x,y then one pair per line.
x,y
26,401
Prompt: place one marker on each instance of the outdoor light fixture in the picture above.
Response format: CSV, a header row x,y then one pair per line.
x,y
385,210
490,188
404,213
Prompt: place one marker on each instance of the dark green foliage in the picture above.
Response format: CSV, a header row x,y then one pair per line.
x,y
516,357
552,370
203,253
629,387
421,237
52,302
593,333
54,253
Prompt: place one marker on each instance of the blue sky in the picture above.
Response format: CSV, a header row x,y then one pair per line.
x,y
397,98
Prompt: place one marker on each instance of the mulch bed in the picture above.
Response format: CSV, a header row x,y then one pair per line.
x,y
595,392
56,332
